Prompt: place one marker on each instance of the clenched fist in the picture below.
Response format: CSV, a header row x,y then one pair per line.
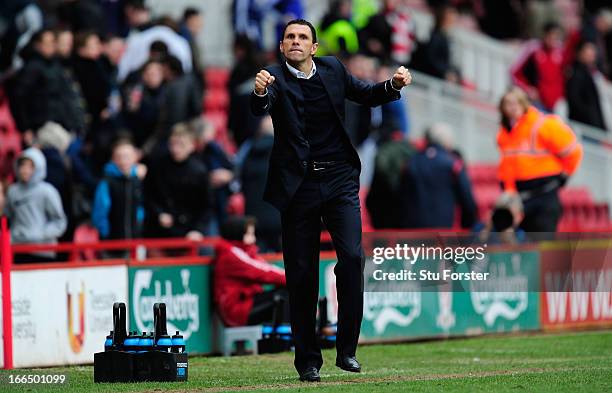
x,y
402,77
263,79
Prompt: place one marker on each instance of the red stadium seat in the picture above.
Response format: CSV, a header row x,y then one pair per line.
x,y
485,196
236,204
575,196
216,100
580,212
10,140
219,121
216,77
419,144
483,174
216,105
85,233
603,214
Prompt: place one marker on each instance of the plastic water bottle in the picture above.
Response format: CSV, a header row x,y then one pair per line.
x,y
178,343
329,332
146,342
108,343
267,331
164,343
284,332
132,342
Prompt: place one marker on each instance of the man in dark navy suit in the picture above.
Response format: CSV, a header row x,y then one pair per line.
x,y
313,176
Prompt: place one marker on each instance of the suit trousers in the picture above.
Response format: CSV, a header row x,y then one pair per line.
x,y
330,196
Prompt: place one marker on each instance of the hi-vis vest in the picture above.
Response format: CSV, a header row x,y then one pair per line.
x,y
329,39
537,146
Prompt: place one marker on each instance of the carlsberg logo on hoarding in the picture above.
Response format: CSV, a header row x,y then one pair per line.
x,y
380,309
508,297
181,305
384,308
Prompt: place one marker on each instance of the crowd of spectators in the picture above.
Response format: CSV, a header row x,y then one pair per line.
x,y
565,49
108,103
112,99
567,69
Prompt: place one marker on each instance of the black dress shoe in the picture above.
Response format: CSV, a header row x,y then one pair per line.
x,y
311,374
348,363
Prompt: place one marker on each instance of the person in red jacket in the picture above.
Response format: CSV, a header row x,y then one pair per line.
x,y
539,70
239,276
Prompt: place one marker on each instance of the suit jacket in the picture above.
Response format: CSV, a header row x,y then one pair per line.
x,y
285,103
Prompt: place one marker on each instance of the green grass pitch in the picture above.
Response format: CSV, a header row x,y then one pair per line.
x,y
556,363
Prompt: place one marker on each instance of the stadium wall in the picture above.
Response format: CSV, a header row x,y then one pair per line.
x,y
61,315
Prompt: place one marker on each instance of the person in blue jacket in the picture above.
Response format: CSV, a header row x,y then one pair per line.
x,y
118,210
434,181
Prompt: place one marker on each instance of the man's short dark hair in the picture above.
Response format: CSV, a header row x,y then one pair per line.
x,y
189,12
302,22
122,138
149,62
109,37
22,159
174,64
159,47
583,43
38,36
551,26
136,4
81,39
235,227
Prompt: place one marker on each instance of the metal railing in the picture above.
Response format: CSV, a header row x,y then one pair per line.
x,y
482,60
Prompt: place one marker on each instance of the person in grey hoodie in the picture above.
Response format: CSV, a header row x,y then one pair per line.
x,y
34,207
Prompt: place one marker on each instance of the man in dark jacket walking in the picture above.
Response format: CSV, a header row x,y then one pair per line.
x,y
314,176
433,182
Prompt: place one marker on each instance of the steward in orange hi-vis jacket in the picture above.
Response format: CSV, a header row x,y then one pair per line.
x,y
538,154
